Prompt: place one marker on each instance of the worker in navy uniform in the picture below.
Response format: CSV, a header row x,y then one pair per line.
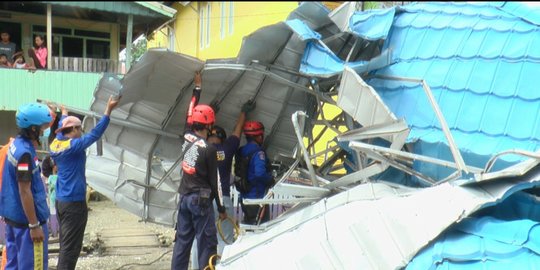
x,y
259,174
199,186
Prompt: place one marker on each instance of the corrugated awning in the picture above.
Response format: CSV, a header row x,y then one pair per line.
x,y
145,9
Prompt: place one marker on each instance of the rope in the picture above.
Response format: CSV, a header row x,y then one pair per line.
x,y
211,265
220,230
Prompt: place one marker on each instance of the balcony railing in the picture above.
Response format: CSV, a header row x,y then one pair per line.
x,y
87,64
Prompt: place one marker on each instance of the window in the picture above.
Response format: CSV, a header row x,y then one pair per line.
x,y
222,20
208,16
201,24
231,17
68,42
97,49
72,47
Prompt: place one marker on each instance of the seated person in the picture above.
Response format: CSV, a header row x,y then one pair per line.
x,y
19,62
4,61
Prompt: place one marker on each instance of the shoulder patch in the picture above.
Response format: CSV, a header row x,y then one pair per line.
x,y
200,143
220,155
190,137
60,145
22,167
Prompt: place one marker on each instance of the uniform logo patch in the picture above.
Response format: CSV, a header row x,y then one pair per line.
x,y
220,155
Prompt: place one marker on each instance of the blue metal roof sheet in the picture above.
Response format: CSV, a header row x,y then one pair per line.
x,y
372,24
483,243
481,63
303,31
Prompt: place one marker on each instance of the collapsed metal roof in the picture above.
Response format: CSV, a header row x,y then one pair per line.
x,y
433,95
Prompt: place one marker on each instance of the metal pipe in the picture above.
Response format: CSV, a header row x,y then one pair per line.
x,y
169,171
119,122
494,158
364,146
460,163
452,144
294,119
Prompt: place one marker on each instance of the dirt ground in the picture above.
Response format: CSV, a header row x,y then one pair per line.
x,y
128,243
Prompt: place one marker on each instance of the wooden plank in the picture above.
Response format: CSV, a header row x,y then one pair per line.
x,y
122,251
123,231
146,241
134,234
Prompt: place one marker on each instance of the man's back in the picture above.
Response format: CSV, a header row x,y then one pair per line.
x,y
196,165
258,174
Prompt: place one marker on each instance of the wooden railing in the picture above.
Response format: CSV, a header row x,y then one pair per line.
x,y
86,64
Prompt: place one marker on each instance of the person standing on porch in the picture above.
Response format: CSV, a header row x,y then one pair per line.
x,y
39,52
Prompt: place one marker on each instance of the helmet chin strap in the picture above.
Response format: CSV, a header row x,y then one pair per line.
x,y
209,129
34,134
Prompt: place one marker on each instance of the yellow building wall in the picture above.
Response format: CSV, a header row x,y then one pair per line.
x,y
27,20
247,18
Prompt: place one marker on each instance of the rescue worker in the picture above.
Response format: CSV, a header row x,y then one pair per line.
x,y
226,148
197,190
68,151
259,174
23,197
198,187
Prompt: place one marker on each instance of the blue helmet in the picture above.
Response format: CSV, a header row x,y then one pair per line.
x,y
32,114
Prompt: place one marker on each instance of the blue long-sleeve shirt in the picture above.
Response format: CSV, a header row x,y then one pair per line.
x,y
259,177
70,158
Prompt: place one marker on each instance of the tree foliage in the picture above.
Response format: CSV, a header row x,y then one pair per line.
x,y
137,50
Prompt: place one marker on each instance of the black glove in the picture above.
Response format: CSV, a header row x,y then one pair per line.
x,y
248,106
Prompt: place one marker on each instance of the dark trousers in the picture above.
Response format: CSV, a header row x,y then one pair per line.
x,y
72,217
251,213
194,220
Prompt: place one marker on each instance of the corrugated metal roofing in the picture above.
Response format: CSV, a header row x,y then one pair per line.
x,y
115,7
73,89
376,226
483,243
482,65
373,24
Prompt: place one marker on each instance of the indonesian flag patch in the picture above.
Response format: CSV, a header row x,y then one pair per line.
x,y
22,167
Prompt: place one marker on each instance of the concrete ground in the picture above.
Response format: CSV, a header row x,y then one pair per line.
x,y
115,239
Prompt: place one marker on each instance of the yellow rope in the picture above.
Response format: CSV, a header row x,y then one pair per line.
x,y
220,230
211,265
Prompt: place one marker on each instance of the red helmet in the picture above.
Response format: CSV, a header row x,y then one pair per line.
x,y
203,114
253,128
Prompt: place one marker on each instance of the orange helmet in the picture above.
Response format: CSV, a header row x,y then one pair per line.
x,y
203,114
253,128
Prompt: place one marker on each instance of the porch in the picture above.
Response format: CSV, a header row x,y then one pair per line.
x,y
81,64
82,36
